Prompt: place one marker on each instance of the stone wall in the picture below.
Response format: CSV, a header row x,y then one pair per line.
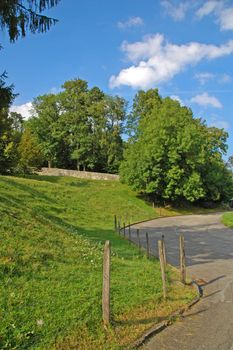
x,y
78,174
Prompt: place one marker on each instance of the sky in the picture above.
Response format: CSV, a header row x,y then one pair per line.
x,y
184,48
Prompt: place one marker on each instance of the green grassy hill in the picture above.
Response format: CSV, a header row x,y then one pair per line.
x,y
227,219
52,233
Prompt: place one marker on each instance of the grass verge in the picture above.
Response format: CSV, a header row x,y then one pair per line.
x,y
52,234
191,210
227,219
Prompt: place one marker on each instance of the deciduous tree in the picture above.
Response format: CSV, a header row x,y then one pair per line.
x,y
7,131
30,152
172,155
80,127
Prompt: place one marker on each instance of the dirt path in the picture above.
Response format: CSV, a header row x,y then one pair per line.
x,y
209,250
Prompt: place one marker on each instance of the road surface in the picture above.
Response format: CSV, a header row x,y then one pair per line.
x,y
209,257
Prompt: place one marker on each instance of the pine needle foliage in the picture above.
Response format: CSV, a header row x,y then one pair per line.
x,y
20,16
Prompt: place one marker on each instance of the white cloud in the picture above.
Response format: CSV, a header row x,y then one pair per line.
x,y
206,100
23,109
204,77
156,60
131,22
208,8
177,98
219,8
176,11
226,19
145,49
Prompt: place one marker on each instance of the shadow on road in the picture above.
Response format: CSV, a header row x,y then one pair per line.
x,y
205,241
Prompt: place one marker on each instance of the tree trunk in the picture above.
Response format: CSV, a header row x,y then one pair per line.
x,y
49,163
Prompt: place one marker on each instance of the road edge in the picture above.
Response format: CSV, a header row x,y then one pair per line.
x,y
159,327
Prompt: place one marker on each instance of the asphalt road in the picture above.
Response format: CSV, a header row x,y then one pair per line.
x,y
209,257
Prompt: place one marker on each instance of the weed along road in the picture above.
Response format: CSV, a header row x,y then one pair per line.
x,y
209,258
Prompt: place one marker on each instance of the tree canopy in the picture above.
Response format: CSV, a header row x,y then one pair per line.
x,y
20,16
80,127
172,155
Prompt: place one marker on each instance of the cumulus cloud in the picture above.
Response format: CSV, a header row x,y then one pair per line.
x,y
155,60
144,49
223,13
176,11
131,22
206,100
24,109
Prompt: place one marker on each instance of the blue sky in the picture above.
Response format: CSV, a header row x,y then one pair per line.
x,y
184,48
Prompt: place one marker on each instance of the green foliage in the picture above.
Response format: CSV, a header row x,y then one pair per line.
x,y
227,219
172,155
6,93
10,128
46,127
30,152
80,127
18,16
230,163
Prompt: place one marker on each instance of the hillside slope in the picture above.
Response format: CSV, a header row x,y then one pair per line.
x,y
227,219
52,233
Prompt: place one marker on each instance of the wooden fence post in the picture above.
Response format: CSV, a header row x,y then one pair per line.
x,y
106,284
182,260
138,239
115,223
164,251
147,246
162,266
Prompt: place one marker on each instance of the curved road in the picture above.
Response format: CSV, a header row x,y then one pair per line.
x,y
209,257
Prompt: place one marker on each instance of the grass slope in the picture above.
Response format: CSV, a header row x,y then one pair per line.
x,y
227,219
52,233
